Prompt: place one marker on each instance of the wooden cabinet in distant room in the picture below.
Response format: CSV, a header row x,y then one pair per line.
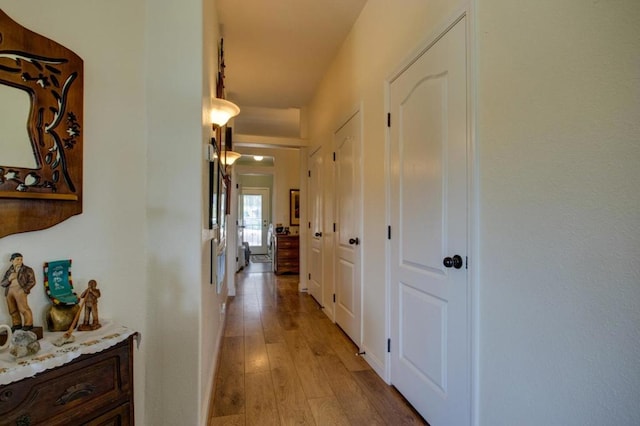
x,y
286,254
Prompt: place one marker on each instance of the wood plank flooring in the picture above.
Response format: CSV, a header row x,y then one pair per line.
x,y
284,362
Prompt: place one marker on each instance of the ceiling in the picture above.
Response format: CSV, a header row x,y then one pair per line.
x,y
276,53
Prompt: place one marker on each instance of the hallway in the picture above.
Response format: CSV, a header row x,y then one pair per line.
x,y
282,361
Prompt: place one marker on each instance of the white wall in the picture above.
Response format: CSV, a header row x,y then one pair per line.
x,y
558,136
184,309
256,181
149,69
108,241
212,305
558,153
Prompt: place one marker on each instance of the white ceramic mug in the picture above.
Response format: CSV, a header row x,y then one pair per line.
x,y
8,342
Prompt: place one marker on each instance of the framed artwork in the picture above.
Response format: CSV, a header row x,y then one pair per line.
x,y
214,186
222,202
222,256
213,255
227,204
294,207
42,96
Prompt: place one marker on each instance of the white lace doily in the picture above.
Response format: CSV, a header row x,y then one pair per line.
x,y
51,356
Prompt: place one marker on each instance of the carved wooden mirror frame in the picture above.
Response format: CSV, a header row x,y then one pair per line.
x,y
52,76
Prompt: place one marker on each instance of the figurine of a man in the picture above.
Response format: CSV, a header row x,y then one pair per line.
x,y
18,282
90,295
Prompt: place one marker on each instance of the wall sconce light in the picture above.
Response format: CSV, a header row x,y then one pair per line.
x,y
258,157
227,158
222,111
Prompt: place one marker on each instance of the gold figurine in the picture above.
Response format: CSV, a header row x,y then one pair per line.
x,y
90,297
18,282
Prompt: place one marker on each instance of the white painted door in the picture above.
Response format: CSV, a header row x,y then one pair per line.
x,y
430,320
255,218
348,228
315,286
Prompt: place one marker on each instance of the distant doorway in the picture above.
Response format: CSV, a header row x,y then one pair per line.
x,y
255,218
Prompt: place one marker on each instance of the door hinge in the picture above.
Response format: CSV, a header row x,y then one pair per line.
x,y
388,119
309,277
466,262
389,345
334,298
389,232
309,225
237,259
309,173
334,156
237,186
334,227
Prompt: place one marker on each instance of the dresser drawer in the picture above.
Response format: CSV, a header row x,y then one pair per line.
x,y
120,416
284,267
286,258
287,244
287,254
288,264
72,394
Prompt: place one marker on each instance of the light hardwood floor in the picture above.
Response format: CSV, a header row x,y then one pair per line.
x,y
284,362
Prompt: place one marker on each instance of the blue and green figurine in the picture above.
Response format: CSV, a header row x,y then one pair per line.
x,y
59,288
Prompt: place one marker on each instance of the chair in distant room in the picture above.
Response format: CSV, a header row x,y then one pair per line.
x,y
247,253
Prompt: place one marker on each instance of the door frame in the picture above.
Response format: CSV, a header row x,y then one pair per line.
x,y
268,196
357,109
309,153
472,193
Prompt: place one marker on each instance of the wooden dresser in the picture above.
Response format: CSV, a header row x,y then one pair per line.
x,y
286,254
94,389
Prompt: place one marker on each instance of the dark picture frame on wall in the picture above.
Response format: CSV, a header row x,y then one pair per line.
x,y
294,207
213,257
222,202
214,185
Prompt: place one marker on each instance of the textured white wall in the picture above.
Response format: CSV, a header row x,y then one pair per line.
x,y
559,143
256,181
287,163
177,94
108,241
212,320
141,236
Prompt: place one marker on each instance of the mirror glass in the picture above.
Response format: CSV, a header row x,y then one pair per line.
x,y
15,146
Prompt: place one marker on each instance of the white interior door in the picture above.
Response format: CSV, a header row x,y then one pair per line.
x,y
315,286
348,228
430,337
255,218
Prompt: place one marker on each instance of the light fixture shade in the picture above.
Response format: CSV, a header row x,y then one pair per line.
x,y
222,110
258,157
227,158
